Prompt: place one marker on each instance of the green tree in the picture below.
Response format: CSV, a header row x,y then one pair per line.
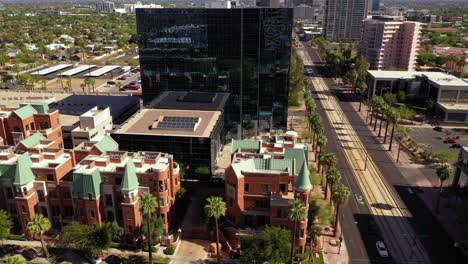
x,y
394,118
215,208
296,213
390,98
445,156
68,82
5,225
443,173
361,66
340,197
352,77
157,228
83,85
37,226
327,159
333,177
271,245
115,229
76,235
17,259
148,205
362,90
4,59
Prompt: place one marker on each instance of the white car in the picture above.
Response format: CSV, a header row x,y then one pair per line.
x,y
383,252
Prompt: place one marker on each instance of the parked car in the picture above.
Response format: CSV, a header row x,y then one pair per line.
x,y
121,78
133,83
381,249
450,140
123,89
111,83
456,145
438,128
133,87
137,69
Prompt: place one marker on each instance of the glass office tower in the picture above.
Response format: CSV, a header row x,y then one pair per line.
x,y
243,51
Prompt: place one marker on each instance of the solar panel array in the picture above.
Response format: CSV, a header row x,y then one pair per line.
x,y
181,119
176,125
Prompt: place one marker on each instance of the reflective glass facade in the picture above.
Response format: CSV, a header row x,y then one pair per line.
x,y
244,51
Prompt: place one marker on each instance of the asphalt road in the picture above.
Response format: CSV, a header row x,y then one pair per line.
x,y
360,236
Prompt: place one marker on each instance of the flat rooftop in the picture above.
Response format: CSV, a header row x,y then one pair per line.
x,y
454,106
439,78
150,122
205,101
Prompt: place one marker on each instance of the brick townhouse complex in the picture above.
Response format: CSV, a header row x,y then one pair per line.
x,y
94,183
29,119
264,177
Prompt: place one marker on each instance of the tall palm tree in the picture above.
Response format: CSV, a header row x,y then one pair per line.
x,y
216,208
362,89
37,226
333,177
296,213
322,140
69,83
383,110
443,173
318,129
388,112
148,205
379,104
92,82
17,69
395,119
83,85
16,259
327,159
340,196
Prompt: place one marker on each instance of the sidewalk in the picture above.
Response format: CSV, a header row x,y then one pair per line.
x,y
421,176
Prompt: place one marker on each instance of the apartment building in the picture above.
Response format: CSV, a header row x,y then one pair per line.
x,y
17,124
94,183
389,42
343,19
93,125
264,177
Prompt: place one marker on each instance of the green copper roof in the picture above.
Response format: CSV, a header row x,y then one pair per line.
x,y
302,182
7,171
275,164
245,144
130,180
86,185
23,173
33,140
25,111
107,144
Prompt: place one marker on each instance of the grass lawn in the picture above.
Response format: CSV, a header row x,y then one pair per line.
x,y
318,259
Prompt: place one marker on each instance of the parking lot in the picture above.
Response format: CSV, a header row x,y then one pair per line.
x,y
432,139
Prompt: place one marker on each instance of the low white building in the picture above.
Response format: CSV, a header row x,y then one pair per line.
x,y
92,126
56,46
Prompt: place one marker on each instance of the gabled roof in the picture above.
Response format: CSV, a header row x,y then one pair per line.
x,y
86,185
107,144
41,108
7,171
130,180
275,164
25,111
245,144
33,140
23,173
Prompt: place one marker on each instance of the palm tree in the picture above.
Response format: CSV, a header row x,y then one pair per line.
x,y
362,88
118,85
92,82
340,196
87,81
327,159
68,82
395,119
16,259
216,208
296,213
321,142
383,110
388,112
38,225
379,104
148,205
17,68
333,177
318,130
83,85
443,173
44,85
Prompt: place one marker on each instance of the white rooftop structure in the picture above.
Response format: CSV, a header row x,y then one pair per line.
x,y
102,71
77,70
51,69
439,78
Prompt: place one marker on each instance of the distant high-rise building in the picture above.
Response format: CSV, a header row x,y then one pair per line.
x,y
105,7
218,4
243,51
310,13
375,5
344,18
268,3
389,42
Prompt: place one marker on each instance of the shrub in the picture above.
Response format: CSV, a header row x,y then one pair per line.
x,y
169,251
153,249
16,237
401,96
